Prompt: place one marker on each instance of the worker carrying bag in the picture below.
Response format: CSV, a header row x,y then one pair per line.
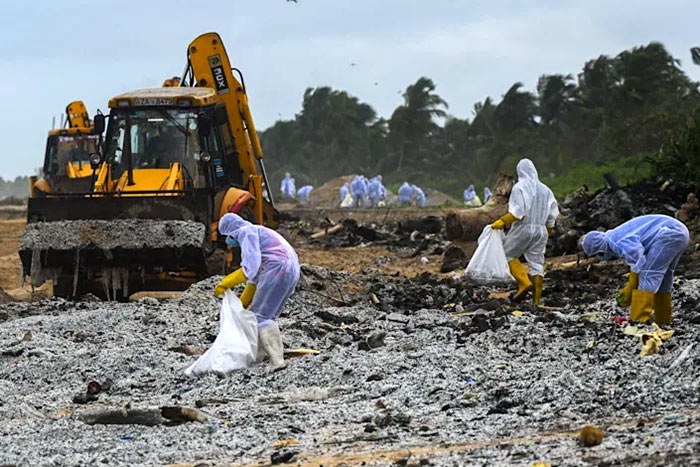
x,y
489,264
236,346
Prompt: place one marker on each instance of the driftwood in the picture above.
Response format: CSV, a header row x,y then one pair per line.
x,y
329,231
183,414
111,416
467,223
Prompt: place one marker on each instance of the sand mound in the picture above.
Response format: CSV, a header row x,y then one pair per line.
x,y
328,194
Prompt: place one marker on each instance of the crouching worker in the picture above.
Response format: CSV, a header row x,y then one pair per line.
x,y
651,246
270,267
532,212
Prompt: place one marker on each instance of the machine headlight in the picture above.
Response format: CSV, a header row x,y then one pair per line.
x,y
123,103
95,160
205,158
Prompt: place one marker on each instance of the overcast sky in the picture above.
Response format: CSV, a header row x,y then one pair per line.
x,y
92,50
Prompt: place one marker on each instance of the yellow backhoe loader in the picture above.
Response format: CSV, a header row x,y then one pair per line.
x,y
174,160
66,161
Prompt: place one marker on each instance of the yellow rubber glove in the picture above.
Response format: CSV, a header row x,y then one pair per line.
x,y
248,294
625,296
550,230
232,280
504,222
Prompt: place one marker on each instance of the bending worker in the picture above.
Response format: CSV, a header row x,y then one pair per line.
x,y
532,212
271,268
651,246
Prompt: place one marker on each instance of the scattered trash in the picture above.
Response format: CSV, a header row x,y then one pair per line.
x,y
286,442
619,319
453,258
282,457
517,313
651,340
374,341
590,436
293,353
126,437
112,416
91,394
183,414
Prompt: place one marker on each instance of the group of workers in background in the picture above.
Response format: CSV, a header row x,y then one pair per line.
x,y
289,191
650,245
411,195
363,192
472,200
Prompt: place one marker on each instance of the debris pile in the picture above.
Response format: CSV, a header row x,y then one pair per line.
x,y
583,211
427,363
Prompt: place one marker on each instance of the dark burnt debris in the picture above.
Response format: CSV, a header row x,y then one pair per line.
x,y
583,211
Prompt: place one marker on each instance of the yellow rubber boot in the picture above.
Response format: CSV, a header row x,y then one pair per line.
x,y
642,301
662,309
538,281
248,294
518,271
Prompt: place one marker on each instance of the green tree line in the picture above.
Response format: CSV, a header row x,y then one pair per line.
x,y
17,188
614,108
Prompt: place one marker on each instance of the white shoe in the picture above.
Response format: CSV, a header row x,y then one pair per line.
x,y
271,341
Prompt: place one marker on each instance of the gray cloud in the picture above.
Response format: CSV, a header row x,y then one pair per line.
x,y
53,54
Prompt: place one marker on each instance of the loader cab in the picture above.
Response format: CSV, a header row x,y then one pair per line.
x,y
67,159
151,130
69,154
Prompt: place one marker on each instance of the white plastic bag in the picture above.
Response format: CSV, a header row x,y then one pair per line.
x,y
489,264
236,346
347,201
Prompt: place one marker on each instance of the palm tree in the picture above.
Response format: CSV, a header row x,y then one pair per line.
x,y
412,123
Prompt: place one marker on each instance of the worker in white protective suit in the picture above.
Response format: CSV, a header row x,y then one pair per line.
x,y
270,267
288,187
532,212
651,246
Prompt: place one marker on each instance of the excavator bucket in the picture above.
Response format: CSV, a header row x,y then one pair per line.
x,y
122,239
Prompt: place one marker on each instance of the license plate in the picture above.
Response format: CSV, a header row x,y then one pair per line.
x,y
154,101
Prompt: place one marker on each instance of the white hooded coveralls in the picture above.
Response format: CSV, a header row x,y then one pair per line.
x,y
268,261
533,203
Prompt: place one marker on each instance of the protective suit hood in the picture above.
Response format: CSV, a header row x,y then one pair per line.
x,y
527,171
230,222
594,243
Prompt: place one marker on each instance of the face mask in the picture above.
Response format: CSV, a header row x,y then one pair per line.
x,y
232,242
